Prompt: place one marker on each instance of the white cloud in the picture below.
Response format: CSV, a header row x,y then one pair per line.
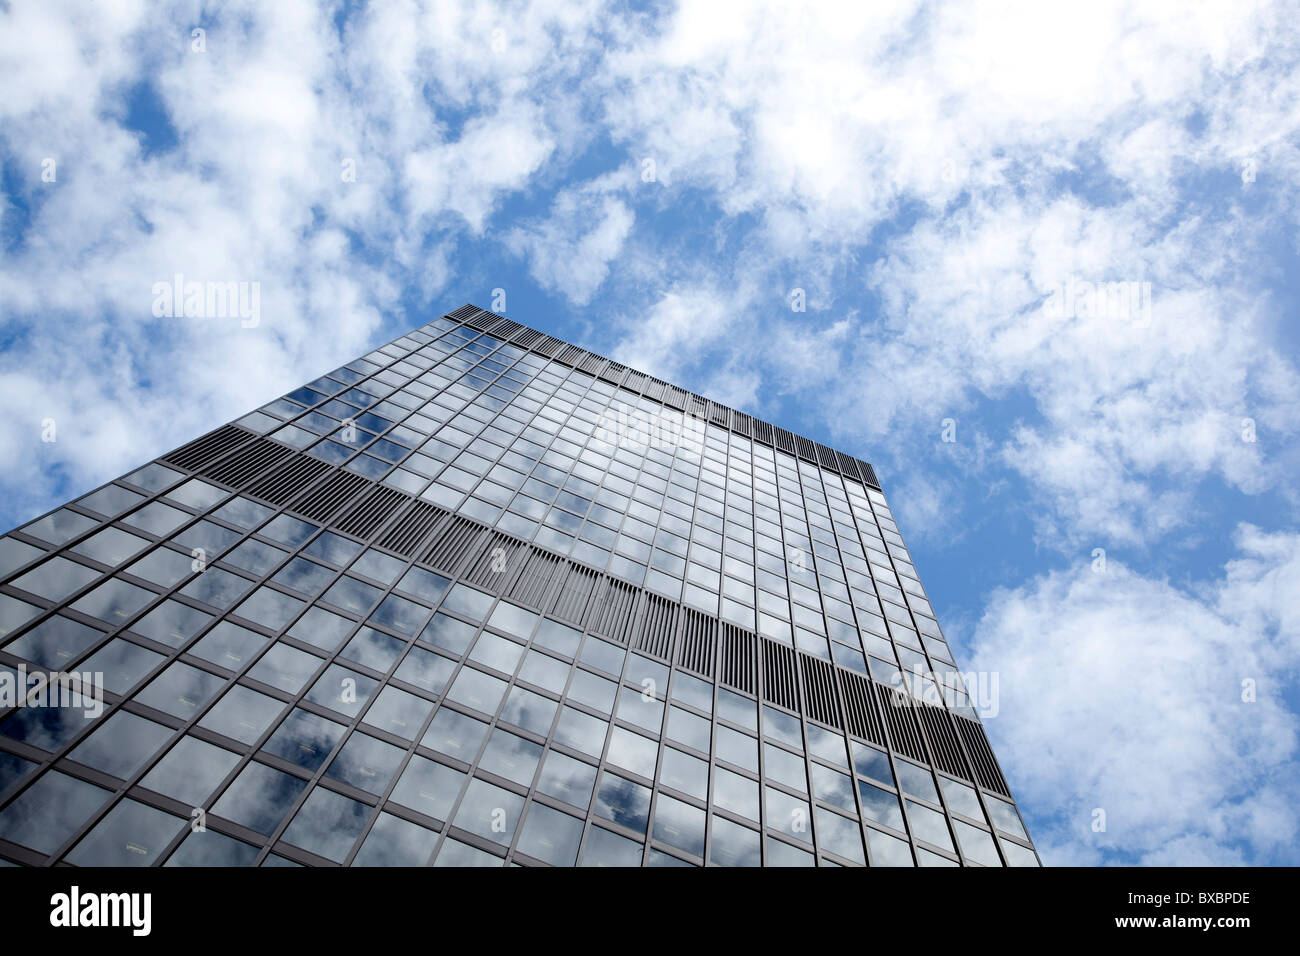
x,y
1123,693
570,250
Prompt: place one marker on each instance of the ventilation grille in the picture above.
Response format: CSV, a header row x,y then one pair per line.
x,y
762,432
203,451
373,509
254,458
408,531
901,721
635,380
977,745
498,560
611,610
450,545
656,637
943,740
741,422
862,718
805,448
570,355
531,585
330,495
280,486
655,389
719,414
675,397
820,702
527,339
482,320
548,346
826,457
784,440
779,686
505,328
736,660
464,312
591,363
695,643
868,474
571,601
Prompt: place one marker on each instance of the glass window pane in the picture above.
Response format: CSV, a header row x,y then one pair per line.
x,y
132,834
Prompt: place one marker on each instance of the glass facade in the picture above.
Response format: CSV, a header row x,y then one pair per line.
x,y
476,598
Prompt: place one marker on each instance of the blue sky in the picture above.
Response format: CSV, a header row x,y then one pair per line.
x,y
653,183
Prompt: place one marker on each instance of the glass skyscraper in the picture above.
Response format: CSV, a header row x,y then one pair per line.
x,y
483,597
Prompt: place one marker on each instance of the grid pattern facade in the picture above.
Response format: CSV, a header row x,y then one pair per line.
x,y
482,597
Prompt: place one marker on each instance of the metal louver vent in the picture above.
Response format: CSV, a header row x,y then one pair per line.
x,y
571,601
409,531
613,373
635,380
977,745
251,460
901,721
497,561
658,618
369,514
740,423
737,658
784,440
779,683
570,355
762,432
464,312
280,486
655,389
805,449
451,543
534,579
696,641
719,414
548,346
868,474
611,610
505,328
526,338
321,501
820,702
862,719
942,739
675,397
826,457
205,450
592,364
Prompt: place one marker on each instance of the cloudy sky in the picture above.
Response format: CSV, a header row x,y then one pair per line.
x,y
1102,501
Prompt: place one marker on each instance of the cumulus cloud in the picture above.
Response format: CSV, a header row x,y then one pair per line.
x,y
1124,694
570,250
